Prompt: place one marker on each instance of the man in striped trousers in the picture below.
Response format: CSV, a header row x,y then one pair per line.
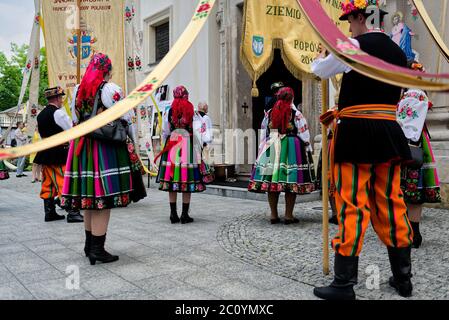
x,y
53,120
366,154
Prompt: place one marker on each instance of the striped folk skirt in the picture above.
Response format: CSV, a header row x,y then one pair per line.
x,y
422,185
182,168
101,175
4,174
283,165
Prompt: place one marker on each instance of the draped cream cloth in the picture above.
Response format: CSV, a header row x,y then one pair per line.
x,y
102,31
281,24
33,103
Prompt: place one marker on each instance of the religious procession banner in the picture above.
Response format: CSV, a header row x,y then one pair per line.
x,y
102,30
281,24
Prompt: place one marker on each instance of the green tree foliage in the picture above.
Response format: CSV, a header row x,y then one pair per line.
x,y
11,75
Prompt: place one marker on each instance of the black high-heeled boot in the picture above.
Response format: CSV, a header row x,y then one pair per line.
x,y
173,213
185,218
345,277
417,237
98,253
88,242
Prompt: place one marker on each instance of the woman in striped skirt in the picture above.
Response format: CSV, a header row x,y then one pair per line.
x,y
284,163
100,175
182,169
420,185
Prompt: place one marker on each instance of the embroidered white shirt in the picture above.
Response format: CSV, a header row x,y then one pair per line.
x,y
411,113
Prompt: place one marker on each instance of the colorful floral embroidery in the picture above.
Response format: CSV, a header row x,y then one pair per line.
x,y
129,14
130,64
138,63
348,48
203,10
407,112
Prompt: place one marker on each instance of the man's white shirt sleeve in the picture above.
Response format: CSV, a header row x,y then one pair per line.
x,y
62,119
330,66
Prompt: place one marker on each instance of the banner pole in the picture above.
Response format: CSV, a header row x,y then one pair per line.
x,y
78,40
325,178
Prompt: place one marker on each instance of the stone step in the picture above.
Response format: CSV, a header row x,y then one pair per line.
x,y
240,193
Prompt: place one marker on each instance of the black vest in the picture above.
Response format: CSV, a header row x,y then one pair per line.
x,y
47,127
371,141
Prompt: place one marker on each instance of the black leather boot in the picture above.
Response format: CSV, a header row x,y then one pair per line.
x,y
98,253
333,220
346,270
185,218
173,213
401,267
50,211
417,237
74,216
88,242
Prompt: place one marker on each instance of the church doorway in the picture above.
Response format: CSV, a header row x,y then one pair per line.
x,y
277,72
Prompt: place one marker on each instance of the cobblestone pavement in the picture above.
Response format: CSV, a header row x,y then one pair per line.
x,y
230,252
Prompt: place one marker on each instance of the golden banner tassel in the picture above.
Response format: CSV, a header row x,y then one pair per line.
x,y
254,90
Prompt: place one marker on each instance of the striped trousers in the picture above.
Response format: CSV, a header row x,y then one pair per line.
x,y
52,181
367,192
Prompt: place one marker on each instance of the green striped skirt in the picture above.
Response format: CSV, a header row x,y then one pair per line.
x,y
283,166
182,169
100,175
422,185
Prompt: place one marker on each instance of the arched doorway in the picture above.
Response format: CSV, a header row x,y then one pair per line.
x,y
277,72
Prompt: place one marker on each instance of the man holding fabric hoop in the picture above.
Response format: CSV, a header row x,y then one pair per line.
x,y
366,155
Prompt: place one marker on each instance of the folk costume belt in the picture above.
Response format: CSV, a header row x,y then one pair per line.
x,y
366,111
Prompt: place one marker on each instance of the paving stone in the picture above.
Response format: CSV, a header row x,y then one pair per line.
x,y
14,290
54,290
132,271
24,262
158,284
6,276
105,286
187,292
40,276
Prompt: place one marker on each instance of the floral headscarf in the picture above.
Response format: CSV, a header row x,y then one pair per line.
x,y
181,92
98,68
182,110
282,111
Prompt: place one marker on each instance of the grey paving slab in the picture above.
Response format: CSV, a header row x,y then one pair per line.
x,y
14,290
133,295
104,286
187,292
53,290
203,279
157,285
6,276
24,262
132,271
40,276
